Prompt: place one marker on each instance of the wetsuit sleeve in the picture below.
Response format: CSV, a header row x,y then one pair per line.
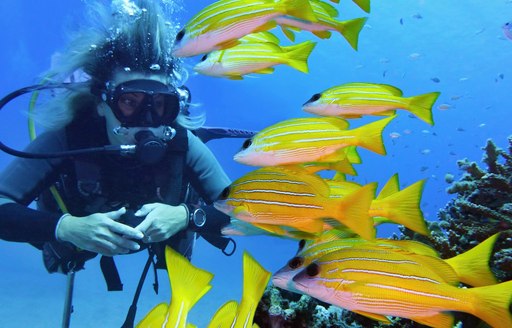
x,y
204,171
20,183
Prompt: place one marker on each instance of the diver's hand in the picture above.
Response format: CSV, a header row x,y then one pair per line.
x,y
162,221
99,233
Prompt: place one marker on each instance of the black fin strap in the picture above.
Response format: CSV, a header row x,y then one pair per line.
x,y
110,273
155,283
130,316
220,242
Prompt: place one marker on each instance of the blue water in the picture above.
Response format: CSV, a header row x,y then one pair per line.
x,y
460,44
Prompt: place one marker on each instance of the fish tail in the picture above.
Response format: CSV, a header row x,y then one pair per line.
x,y
155,317
363,4
369,136
403,207
352,155
224,316
421,106
188,285
391,187
298,55
350,30
493,304
472,267
355,207
255,281
298,8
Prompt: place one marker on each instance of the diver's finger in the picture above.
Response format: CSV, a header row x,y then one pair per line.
x,y
144,210
124,230
115,215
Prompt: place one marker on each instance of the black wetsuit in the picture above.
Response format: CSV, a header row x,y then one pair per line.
x,y
24,180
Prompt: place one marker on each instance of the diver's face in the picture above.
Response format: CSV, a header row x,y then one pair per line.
x,y
136,101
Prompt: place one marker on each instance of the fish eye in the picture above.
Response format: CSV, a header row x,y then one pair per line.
x,y
313,269
204,57
225,193
302,243
247,144
180,35
315,97
296,262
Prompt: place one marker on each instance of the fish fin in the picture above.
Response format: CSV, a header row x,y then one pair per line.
x,y
493,303
385,113
437,266
403,207
271,228
322,34
235,77
241,210
265,27
299,54
370,135
268,70
363,4
155,317
391,187
351,116
190,325
224,316
188,285
472,266
255,279
352,155
339,165
310,226
288,33
329,9
439,320
298,8
227,44
377,317
354,211
335,1
241,228
339,122
255,325
421,106
339,177
378,220
350,30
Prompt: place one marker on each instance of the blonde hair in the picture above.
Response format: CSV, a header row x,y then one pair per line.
x,y
136,36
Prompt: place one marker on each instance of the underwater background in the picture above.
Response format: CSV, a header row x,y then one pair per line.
x,y
455,47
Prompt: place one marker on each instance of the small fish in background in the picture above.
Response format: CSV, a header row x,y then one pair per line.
x,y
326,22
252,57
395,135
354,100
312,139
507,30
381,282
401,21
444,106
435,80
414,55
220,25
417,16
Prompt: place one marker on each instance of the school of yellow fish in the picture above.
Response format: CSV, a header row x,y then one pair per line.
x,y
340,261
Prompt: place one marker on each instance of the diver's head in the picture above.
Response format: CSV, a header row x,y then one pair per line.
x,y
134,102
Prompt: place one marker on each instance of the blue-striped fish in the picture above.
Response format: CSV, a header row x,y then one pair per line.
x,y
303,140
286,197
353,100
221,24
326,22
254,57
389,283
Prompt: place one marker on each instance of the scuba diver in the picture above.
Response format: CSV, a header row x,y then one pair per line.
x,y
122,151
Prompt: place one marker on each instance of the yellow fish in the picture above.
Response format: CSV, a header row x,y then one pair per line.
x,y
383,282
471,267
231,315
221,24
188,285
282,196
326,22
315,139
255,57
353,100
400,206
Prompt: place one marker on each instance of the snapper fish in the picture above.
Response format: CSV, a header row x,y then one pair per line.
x,y
188,285
380,282
471,267
273,197
257,57
326,22
221,24
353,100
314,139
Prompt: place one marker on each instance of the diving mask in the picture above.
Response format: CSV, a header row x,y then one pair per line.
x,y
143,103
